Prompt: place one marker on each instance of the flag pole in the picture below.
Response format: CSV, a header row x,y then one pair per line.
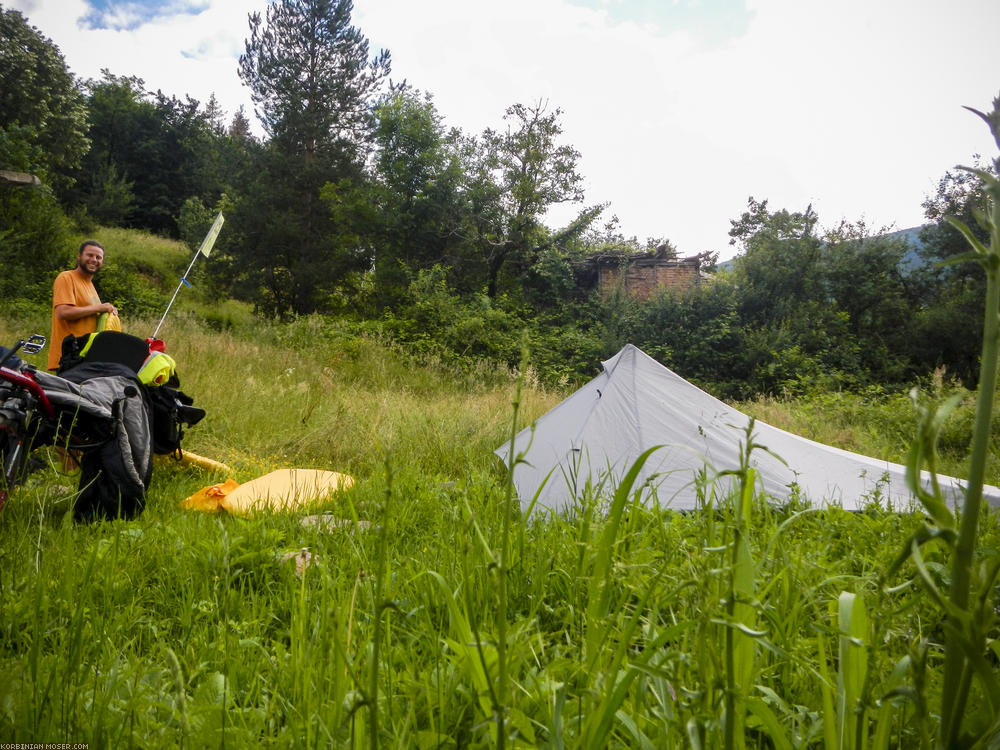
x,y
205,249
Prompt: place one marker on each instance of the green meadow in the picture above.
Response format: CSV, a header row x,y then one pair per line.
x,y
423,610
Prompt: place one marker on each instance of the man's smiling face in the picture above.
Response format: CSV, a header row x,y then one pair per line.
x,y
90,260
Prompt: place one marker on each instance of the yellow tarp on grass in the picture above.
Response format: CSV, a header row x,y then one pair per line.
x,y
284,489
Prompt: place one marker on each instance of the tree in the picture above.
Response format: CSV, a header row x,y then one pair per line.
x,y
315,88
796,336
123,123
779,271
42,132
239,126
819,309
310,76
516,176
215,116
698,334
959,194
951,295
863,276
34,237
38,92
420,208
151,152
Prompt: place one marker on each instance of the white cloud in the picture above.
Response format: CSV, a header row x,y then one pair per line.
x,y
181,51
853,106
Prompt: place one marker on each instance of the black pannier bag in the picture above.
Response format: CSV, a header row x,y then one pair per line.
x,y
172,410
106,403
146,419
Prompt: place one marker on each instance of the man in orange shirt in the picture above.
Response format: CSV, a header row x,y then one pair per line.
x,y
75,303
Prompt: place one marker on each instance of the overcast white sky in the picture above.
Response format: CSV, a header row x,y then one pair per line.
x,y
681,109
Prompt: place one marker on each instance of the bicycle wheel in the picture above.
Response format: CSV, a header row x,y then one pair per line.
x,y
13,450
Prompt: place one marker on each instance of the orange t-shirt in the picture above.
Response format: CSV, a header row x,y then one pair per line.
x,y
70,288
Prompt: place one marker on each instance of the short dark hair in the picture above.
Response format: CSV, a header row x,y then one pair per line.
x,y
89,243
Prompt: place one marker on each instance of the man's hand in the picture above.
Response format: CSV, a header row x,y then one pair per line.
x,y
75,312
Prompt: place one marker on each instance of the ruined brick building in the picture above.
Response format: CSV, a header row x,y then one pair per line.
x,y
642,275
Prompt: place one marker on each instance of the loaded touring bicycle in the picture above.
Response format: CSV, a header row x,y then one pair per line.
x,y
115,401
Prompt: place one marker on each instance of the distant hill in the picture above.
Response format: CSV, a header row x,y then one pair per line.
x,y
911,260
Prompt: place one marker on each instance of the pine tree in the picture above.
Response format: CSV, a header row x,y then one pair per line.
x,y
310,76
314,89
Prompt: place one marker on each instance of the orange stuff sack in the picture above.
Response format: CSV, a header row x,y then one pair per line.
x,y
109,322
209,499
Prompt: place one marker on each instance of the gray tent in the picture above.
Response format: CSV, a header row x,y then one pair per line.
x,y
596,435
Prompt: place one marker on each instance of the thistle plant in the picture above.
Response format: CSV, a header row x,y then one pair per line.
x,y
969,617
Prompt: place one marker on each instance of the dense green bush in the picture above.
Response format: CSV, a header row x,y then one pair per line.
x,y
117,283
437,320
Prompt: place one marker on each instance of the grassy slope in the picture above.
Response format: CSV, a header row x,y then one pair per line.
x,y
183,629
